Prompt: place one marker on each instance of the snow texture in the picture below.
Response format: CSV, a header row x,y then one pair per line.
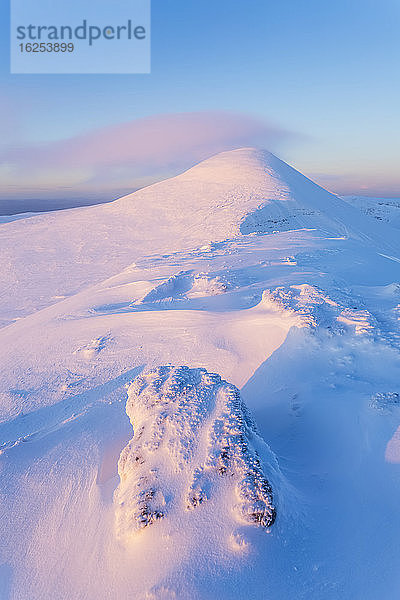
x,y
193,434
240,266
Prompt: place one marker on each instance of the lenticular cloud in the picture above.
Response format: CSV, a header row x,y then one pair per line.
x,y
135,153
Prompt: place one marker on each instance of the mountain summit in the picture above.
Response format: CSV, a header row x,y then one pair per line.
x,y
238,192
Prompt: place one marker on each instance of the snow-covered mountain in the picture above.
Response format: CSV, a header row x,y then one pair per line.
x,y
200,393
243,191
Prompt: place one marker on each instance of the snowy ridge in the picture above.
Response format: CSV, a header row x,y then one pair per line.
x,y
193,437
240,266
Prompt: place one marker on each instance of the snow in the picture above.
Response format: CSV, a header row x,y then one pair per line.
x,y
381,209
153,327
192,433
10,218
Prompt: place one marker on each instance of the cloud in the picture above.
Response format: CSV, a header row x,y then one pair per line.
x,y
126,156
367,184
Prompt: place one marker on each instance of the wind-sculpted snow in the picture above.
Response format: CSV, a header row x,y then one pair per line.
x,y
385,400
184,285
193,440
316,308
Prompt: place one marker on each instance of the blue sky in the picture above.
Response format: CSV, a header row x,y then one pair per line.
x,y
325,73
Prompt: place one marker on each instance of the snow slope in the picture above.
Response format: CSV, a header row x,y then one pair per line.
x,y
17,217
238,287
382,209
